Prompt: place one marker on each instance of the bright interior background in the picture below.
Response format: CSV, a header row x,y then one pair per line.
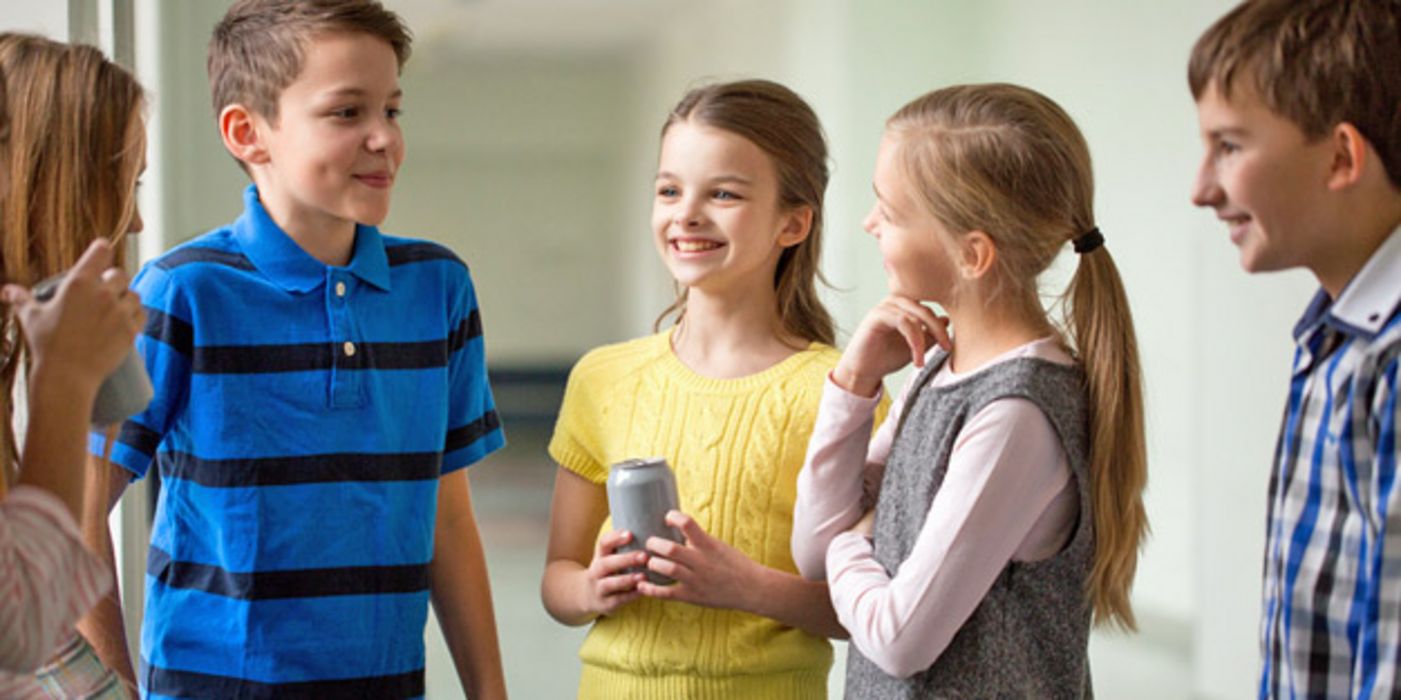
x,y
532,132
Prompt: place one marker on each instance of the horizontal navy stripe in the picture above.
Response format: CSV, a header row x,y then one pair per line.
x,y
170,330
308,469
304,357
419,252
138,437
459,438
188,684
290,583
469,329
197,254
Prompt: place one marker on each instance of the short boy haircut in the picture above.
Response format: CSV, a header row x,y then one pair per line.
x,y
1317,63
258,48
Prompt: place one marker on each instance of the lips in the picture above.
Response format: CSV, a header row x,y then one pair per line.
x,y
1237,224
379,180
695,245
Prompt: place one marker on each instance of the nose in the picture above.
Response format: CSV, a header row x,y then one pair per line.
x,y
688,213
1206,191
868,224
384,136
137,223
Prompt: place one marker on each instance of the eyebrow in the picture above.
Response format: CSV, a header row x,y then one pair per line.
x,y
351,91
737,179
1226,131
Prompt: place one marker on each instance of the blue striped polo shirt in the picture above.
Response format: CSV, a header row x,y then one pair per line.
x,y
302,417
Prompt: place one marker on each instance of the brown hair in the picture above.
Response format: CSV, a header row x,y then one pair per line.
x,y
257,48
1317,63
1009,162
75,150
782,125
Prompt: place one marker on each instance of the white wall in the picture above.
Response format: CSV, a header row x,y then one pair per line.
x,y
47,18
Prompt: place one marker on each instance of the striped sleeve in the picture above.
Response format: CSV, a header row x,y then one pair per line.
x,y
474,428
1379,663
166,345
50,578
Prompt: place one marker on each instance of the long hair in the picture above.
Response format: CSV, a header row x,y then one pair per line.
x,y
1010,162
74,151
783,126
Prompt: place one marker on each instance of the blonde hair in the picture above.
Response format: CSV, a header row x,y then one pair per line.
x,y
75,148
783,126
1009,162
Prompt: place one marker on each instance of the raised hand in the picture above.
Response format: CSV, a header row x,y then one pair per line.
x,y
89,325
896,332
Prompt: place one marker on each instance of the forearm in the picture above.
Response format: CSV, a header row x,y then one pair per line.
x,y
830,483
564,591
796,602
462,597
104,626
55,445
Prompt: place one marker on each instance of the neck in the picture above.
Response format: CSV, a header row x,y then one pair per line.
x,y
987,329
732,334
329,239
1372,220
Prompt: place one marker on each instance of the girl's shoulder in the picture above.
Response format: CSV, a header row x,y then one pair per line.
x,y
616,360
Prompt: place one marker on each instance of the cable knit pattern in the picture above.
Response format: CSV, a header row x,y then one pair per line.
x,y
736,446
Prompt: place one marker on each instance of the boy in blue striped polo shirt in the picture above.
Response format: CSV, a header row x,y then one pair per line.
x,y
320,388
1299,103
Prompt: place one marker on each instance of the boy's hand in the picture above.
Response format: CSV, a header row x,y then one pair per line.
x,y
896,332
88,327
708,571
609,585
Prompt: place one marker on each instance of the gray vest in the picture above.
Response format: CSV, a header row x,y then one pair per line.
x,y
1029,637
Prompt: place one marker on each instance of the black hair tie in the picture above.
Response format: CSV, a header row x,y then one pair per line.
x,y
1088,242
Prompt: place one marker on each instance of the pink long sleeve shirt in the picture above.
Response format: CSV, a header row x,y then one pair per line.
x,y
48,579
1008,495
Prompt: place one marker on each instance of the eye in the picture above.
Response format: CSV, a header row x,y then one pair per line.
x,y
1226,148
394,113
726,195
346,113
667,191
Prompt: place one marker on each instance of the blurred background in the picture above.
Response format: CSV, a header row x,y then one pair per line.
x,y
532,129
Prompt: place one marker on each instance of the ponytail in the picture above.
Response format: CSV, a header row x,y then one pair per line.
x,y
1101,324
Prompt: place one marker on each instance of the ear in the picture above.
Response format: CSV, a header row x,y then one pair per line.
x,y
796,227
241,130
978,254
1349,156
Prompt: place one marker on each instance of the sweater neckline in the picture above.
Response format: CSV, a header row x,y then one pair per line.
x,y
692,379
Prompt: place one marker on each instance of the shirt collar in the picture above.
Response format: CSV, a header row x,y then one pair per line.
x,y
284,262
1370,298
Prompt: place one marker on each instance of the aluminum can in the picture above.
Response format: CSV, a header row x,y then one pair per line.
x,y
640,492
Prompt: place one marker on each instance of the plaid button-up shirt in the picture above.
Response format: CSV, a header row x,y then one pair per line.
x,y
1331,624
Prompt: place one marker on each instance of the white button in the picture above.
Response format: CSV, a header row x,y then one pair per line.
x,y
349,349
340,289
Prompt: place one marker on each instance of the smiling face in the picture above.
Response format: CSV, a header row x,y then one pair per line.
x,y
715,215
1264,179
912,242
336,147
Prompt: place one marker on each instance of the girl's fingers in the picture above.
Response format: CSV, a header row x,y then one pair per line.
x,y
614,585
669,567
914,337
674,592
611,542
612,563
95,259
619,600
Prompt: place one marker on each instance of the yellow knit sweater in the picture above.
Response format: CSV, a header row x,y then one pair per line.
x,y
736,446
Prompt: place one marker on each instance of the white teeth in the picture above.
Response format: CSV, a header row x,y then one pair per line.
x,y
696,246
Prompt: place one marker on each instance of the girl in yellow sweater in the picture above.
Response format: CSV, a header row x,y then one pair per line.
x,y
727,395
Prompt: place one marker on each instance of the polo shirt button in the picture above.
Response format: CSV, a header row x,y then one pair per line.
x,y
349,349
340,289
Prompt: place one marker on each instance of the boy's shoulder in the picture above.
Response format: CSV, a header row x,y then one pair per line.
x,y
401,251
215,248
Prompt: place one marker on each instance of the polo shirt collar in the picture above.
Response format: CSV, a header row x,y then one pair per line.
x,y
284,262
1368,300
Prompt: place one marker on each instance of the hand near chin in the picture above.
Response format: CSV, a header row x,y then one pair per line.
x,y
898,331
708,572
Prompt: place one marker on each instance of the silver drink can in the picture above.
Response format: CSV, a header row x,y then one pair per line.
x,y
640,492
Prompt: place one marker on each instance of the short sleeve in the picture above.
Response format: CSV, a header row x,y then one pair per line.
x,y
474,427
167,346
573,445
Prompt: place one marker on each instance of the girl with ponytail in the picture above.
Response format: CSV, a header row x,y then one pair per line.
x,y
1007,487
